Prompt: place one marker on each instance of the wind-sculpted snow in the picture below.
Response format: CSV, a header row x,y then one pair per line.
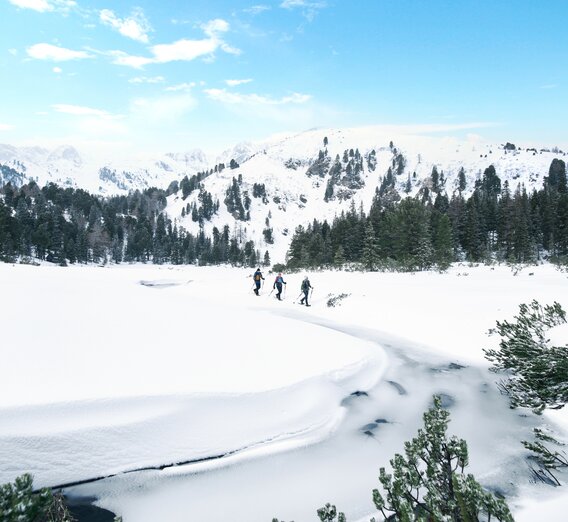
x,y
195,398
115,376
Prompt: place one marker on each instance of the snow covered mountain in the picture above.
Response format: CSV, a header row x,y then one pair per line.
x,y
320,173
288,180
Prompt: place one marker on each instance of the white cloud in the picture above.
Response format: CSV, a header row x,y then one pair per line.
x,y
128,60
214,27
233,98
44,51
57,70
135,26
234,83
181,50
146,79
36,5
257,9
184,50
291,4
44,6
79,110
90,121
549,86
181,87
229,49
309,8
5,127
162,108
13,52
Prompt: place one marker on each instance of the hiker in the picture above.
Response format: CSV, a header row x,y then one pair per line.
x,y
306,290
257,279
278,282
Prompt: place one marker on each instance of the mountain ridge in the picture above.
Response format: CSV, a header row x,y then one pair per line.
x,y
264,190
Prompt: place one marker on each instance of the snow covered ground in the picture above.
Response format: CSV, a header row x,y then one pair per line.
x,y
135,368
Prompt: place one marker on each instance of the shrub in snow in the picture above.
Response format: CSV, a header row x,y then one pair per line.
x,y
429,483
328,513
537,372
18,501
548,454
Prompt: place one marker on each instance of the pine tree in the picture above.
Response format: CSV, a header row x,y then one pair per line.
x,y
538,372
442,241
428,482
19,502
329,513
370,254
461,180
339,258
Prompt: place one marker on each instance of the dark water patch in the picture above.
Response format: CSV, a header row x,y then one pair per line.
x,y
382,421
346,401
446,401
82,509
448,368
369,427
398,387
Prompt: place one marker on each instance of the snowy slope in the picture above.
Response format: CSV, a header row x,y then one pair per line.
x,y
294,198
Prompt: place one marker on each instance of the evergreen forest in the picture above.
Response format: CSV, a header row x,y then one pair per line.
x,y
433,230
428,230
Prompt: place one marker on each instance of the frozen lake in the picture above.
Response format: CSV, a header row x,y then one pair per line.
x,y
275,409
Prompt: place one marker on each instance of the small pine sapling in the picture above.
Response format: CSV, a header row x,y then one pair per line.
x,y
428,482
548,456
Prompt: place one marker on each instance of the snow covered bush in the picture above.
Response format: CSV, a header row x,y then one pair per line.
x,y
429,483
19,502
537,373
548,454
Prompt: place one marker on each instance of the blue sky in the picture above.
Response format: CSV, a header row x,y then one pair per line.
x,y
175,75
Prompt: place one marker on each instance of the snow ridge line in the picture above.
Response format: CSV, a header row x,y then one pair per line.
x,y
161,467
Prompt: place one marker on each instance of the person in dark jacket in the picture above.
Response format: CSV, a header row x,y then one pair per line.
x,y
278,282
306,290
257,277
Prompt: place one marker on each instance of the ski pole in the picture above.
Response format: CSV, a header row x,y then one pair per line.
x,y
298,297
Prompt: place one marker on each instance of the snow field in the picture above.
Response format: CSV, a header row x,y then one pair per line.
x,y
102,374
156,375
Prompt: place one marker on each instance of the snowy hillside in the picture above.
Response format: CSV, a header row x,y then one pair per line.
x,y
288,181
296,177
68,168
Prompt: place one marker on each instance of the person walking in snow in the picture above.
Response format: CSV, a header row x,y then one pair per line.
x,y
306,290
257,277
278,282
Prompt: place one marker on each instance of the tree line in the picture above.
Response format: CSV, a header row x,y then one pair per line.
x,y
68,225
433,230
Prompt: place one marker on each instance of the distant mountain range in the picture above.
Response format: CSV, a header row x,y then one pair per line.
x,y
287,181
